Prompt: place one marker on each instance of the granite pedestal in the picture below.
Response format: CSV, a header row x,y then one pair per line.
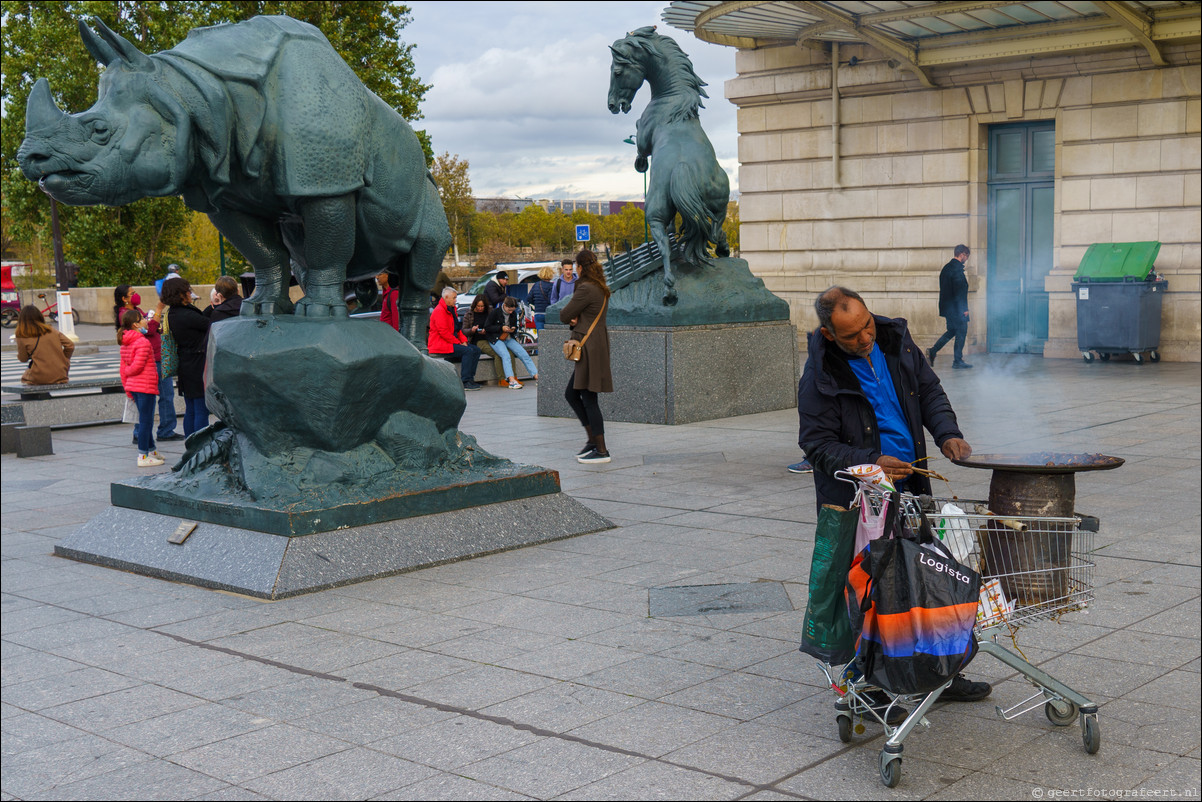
x,y
271,566
682,374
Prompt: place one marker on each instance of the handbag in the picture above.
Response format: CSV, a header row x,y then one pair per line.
x,y
574,349
169,349
915,607
826,632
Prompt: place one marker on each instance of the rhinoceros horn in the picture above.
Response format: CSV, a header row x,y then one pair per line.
x,y
109,47
41,112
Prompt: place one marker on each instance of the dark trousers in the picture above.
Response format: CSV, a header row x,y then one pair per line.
x,y
196,415
166,405
957,329
584,404
469,357
145,404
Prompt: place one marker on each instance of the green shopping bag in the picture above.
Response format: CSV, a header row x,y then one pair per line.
x,y
827,633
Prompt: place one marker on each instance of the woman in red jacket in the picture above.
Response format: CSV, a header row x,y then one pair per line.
x,y
140,379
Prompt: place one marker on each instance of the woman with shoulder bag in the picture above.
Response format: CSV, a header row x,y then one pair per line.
x,y
585,313
52,349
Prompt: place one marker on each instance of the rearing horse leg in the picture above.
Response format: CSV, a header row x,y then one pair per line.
x,y
659,215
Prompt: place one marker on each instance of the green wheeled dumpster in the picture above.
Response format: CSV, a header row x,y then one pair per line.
x,y
1119,301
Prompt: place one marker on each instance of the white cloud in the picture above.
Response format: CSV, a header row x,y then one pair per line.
x,y
519,90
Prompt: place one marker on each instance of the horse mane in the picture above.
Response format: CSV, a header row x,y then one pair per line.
x,y
665,53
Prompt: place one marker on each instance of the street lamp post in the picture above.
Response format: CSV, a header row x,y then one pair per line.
x,y
646,234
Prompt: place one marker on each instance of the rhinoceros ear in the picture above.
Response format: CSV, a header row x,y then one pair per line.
x,y
109,47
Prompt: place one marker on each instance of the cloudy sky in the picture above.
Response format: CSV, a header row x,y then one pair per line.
x,y
519,90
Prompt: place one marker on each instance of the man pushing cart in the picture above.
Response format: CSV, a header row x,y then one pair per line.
x,y
920,599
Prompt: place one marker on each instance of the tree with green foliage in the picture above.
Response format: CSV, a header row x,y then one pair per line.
x,y
132,244
455,189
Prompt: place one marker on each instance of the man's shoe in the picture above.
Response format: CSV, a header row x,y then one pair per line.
x,y
931,355
471,386
594,456
167,438
589,446
801,467
961,366
879,700
963,689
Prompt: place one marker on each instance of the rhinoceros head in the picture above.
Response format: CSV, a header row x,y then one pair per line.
x,y
131,144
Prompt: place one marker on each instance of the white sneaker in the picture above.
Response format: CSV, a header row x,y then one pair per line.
x,y
149,461
514,384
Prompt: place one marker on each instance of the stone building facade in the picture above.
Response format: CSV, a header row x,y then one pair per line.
x,y
1112,155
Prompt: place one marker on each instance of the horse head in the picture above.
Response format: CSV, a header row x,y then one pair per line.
x,y
626,73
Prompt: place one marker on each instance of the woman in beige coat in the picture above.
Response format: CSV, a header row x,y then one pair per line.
x,y
587,304
47,351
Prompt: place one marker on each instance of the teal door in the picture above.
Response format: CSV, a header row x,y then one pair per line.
x,y
1022,160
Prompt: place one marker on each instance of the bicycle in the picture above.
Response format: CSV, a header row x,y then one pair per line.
x,y
50,310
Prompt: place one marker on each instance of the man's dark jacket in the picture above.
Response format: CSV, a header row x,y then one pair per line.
x,y
953,292
838,425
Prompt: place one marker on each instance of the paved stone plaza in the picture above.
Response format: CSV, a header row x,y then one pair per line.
x,y
542,673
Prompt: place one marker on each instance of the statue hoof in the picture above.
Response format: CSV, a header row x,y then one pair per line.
x,y
670,297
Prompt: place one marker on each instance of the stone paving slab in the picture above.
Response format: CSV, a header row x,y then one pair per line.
x,y
541,673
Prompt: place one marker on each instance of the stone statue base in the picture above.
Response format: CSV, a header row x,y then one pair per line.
x,y
336,458
682,374
270,566
725,348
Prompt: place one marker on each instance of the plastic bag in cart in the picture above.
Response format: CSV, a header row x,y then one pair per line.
x,y
826,632
916,608
956,533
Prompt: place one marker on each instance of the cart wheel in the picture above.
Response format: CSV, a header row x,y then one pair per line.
x,y
890,770
1090,734
1105,357
1139,358
844,728
1061,712
1154,356
1087,356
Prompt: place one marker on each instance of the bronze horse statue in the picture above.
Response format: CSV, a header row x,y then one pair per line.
x,y
685,175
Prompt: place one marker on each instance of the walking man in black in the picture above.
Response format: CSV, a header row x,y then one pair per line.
x,y
953,307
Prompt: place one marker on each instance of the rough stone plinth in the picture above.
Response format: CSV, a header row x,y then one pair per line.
x,y
274,566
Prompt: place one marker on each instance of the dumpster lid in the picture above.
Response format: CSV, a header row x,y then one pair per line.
x,y
1117,261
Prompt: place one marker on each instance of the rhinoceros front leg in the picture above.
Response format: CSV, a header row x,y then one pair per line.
x,y
259,241
329,245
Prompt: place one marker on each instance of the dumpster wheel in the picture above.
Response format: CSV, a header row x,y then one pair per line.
x,y
1139,358
1087,356
1105,357
1154,356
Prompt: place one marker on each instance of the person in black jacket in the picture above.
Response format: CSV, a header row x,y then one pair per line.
x,y
953,307
190,329
865,396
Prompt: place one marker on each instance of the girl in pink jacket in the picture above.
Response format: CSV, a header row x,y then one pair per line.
x,y
140,379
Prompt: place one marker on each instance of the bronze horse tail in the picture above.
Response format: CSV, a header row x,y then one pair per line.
x,y
699,224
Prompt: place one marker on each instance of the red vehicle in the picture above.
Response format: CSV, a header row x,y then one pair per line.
x,y
12,301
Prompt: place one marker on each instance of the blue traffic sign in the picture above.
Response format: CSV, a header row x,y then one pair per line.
x,y
582,233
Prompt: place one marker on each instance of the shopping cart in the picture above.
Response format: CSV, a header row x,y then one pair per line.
x,y
1032,569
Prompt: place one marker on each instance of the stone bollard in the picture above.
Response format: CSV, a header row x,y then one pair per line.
x,y
34,441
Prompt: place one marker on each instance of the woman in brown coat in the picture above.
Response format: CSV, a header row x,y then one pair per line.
x,y
587,304
47,351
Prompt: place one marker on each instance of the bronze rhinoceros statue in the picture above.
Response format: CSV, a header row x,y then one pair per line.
x,y
263,127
